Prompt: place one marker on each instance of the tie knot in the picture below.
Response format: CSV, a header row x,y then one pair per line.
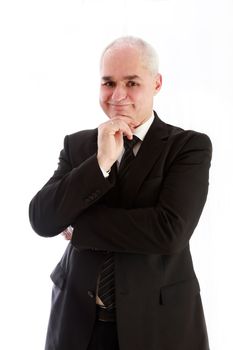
x,y
129,144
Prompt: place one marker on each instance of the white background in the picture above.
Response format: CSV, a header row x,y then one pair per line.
x,y
49,87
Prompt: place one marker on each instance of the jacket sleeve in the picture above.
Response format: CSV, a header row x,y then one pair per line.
x,y
164,228
69,192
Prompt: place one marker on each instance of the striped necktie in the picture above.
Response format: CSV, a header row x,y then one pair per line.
x,y
106,288
128,155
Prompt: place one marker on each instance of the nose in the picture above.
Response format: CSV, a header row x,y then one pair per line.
x,y
119,93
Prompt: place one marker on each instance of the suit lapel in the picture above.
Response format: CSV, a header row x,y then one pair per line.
x,y
149,152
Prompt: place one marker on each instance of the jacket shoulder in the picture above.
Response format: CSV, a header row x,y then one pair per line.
x,y
192,137
80,136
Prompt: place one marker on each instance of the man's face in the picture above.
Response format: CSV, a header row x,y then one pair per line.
x,y
127,86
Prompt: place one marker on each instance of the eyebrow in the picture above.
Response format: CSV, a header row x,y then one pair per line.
x,y
127,77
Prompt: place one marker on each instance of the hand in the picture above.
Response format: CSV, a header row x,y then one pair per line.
x,y
67,233
110,139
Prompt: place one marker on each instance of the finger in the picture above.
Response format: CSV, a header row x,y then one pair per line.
x,y
67,234
120,126
131,122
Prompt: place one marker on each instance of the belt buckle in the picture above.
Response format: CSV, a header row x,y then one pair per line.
x,y
105,315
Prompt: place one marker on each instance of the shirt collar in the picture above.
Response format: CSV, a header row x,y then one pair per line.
x,y
142,129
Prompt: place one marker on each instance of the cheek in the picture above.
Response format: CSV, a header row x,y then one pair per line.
x,y
137,98
104,95
147,97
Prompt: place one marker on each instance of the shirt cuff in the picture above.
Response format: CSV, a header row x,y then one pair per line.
x,y
105,173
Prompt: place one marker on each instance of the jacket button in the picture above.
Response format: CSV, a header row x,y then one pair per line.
x,y
91,294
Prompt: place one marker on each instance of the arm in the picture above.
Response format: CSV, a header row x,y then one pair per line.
x,y
164,228
71,190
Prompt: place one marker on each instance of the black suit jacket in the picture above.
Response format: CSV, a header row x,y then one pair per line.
x,y
147,219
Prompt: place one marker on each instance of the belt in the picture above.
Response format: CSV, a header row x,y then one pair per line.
x,y
105,315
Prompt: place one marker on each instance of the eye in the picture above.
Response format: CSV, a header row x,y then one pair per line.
x,y
132,83
109,83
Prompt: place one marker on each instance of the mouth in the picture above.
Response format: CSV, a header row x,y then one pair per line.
x,y
119,106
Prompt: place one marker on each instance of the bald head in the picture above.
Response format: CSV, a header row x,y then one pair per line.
x,y
145,51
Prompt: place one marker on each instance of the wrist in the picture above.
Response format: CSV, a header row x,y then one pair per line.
x,y
104,165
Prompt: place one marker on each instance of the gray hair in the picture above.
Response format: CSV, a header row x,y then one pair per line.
x,y
148,53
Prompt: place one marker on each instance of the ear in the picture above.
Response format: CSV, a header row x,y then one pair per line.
x,y
157,83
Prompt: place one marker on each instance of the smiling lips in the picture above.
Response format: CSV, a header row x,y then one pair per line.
x,y
119,106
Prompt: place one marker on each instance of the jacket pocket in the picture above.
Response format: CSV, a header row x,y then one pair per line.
x,y
58,276
179,292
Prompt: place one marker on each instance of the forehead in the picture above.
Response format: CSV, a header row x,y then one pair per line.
x,y
122,61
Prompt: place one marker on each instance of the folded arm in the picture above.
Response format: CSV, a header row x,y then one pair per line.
x,y
73,189
165,227
69,192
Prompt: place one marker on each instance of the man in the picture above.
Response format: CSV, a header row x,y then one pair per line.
x,y
139,217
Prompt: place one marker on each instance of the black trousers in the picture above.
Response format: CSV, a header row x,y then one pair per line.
x,y
104,336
